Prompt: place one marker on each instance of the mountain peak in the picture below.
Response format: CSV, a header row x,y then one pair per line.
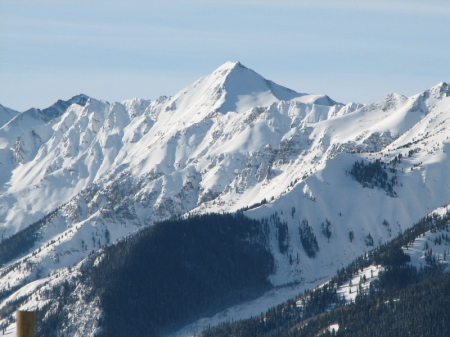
x,y
234,87
440,90
229,65
245,88
233,69
58,108
6,114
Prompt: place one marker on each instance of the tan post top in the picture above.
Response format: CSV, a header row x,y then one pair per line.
x,y
26,323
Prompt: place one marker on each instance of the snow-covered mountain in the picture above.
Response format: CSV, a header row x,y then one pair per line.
x,y
6,115
84,173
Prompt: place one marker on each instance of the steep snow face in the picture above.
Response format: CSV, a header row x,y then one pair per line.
x,y
231,141
245,89
61,106
12,123
58,155
6,115
232,87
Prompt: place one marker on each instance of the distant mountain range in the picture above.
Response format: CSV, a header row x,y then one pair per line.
x,y
318,184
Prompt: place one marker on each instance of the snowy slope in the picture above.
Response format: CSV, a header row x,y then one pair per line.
x,y
6,115
232,140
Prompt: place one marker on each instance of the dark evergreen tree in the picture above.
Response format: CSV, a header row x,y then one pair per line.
x,y
326,229
375,174
283,236
308,239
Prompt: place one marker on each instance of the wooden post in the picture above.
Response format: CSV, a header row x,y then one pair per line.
x,y
26,323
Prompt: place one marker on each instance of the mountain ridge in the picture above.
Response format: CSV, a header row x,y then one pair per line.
x,y
226,143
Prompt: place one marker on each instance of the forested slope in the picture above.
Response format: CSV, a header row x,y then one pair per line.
x,y
403,300
169,274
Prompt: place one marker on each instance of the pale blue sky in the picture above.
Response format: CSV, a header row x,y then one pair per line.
x,y
114,50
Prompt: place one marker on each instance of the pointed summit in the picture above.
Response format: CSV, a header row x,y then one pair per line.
x,y
229,66
234,87
58,108
6,114
440,90
245,88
